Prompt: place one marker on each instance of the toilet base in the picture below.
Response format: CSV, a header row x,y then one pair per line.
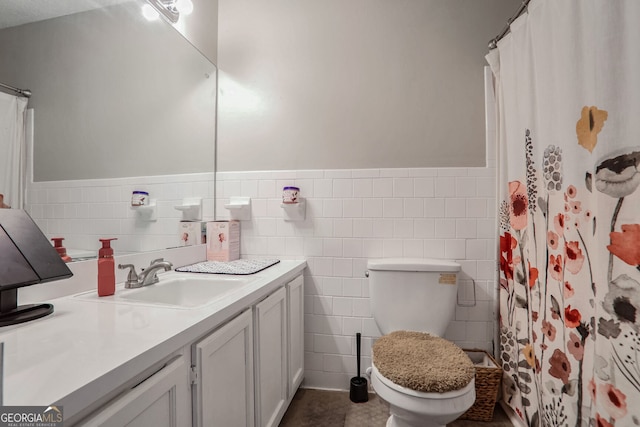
x,y
395,421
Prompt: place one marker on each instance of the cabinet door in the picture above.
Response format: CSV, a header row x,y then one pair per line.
x,y
295,302
271,359
224,364
162,400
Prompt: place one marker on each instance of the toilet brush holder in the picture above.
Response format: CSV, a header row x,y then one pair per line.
x,y
358,390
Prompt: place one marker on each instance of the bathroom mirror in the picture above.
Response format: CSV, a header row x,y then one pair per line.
x,y
114,94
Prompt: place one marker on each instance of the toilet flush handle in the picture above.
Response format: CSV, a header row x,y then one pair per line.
x,y
366,273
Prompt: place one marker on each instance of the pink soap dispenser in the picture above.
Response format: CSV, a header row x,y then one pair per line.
x,y
106,269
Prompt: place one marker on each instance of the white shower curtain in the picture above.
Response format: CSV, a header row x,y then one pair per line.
x,y
12,150
568,94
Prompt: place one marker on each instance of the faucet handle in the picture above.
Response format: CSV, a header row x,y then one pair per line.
x,y
132,277
149,274
155,261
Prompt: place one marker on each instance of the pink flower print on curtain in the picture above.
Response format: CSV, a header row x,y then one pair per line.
x,y
519,203
613,400
573,257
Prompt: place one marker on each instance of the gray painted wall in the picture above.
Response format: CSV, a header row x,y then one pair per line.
x,y
200,28
353,84
114,95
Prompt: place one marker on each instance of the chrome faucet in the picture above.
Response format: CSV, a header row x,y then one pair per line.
x,y
148,276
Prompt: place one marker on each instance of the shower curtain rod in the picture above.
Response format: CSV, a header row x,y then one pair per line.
x,y
22,92
493,43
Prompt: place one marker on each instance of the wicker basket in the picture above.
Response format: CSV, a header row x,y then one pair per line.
x,y
488,376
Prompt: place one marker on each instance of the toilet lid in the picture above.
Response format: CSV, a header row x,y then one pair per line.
x,y
422,362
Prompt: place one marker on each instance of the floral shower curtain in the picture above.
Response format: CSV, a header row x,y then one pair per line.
x,y
567,82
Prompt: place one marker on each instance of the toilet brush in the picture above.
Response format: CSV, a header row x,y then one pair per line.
x,y
358,392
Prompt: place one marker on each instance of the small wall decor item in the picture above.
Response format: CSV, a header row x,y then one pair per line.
x,y
145,207
139,198
290,195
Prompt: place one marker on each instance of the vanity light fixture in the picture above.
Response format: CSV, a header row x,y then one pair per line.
x,y
149,13
184,6
171,9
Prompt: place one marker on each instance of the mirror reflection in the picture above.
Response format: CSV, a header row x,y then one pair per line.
x,y
114,95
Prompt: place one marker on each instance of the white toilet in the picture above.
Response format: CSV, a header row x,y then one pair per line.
x,y
417,295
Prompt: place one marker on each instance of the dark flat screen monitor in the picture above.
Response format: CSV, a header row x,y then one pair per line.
x,y
26,258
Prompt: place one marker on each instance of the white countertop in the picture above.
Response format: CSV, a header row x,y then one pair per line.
x,y
91,347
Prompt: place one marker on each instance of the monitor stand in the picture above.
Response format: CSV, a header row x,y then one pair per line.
x,y
12,314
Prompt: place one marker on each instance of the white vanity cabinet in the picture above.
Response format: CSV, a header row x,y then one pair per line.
x,y
237,367
223,376
162,400
242,374
295,325
279,351
271,358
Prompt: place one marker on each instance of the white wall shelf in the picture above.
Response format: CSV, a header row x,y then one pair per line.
x,y
294,211
147,212
191,209
239,208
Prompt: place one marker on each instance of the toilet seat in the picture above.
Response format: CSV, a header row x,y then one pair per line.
x,y
422,362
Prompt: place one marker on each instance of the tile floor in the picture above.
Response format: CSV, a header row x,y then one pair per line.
x,y
321,408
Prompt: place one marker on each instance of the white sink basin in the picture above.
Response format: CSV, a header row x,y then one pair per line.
x,y
188,290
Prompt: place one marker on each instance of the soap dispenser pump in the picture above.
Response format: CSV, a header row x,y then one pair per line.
x,y
62,251
106,269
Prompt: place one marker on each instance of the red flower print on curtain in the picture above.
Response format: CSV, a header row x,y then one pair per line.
x,y
573,256
519,204
602,422
533,275
555,267
558,223
507,245
613,400
572,317
626,244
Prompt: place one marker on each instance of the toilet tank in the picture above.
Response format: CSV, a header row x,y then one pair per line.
x,y
413,294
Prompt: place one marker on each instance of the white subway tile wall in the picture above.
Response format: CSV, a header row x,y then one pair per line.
x,y
83,211
354,215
